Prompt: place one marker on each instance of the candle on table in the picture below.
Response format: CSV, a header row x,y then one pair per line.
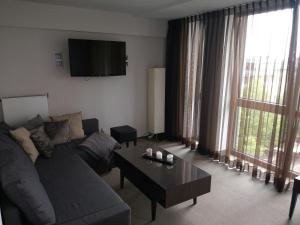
x,y
170,158
158,155
149,151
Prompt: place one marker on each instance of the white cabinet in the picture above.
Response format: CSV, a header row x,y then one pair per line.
x,y
156,100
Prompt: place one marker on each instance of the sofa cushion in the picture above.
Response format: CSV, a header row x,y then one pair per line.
x,y
10,213
34,123
100,166
20,183
75,119
22,136
30,196
42,141
79,196
59,131
100,145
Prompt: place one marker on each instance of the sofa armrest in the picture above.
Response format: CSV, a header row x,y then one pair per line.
x,y
10,214
90,126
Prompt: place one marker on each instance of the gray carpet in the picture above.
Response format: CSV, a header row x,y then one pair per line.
x,y
235,199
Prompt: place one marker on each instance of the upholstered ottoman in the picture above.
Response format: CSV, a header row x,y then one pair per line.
x,y
124,134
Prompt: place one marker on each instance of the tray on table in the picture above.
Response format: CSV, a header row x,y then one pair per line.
x,y
163,160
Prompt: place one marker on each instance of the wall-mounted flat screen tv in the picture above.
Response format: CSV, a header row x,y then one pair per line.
x,y
92,58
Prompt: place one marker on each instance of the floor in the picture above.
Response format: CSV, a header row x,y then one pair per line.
x,y
235,199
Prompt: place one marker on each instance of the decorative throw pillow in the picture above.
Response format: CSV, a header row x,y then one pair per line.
x,y
34,123
100,145
42,142
75,119
20,183
30,196
58,132
22,136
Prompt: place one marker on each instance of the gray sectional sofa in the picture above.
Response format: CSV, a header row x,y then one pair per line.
x,y
77,193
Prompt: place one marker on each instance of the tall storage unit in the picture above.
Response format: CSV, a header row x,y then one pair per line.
x,y
156,100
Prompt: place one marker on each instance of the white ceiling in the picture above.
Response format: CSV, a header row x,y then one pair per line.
x,y
161,9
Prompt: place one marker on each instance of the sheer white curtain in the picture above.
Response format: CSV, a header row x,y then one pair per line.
x,y
193,81
260,93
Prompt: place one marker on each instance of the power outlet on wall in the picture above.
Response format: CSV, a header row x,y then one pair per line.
x,y
59,61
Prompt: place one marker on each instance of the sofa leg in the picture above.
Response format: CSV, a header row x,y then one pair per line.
x,y
121,180
153,210
194,201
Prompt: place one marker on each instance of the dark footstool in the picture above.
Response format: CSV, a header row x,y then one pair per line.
x,y
124,134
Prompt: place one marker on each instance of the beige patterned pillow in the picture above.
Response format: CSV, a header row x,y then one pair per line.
x,y
22,136
75,120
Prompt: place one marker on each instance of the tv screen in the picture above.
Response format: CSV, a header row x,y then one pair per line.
x,y
91,58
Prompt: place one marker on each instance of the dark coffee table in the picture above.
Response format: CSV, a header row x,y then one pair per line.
x,y
167,185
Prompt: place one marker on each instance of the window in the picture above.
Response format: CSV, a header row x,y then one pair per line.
x,y
261,102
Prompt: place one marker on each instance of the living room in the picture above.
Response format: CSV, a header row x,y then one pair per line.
x,y
149,112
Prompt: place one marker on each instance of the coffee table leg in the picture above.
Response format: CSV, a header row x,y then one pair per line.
x,y
194,201
153,209
121,180
293,203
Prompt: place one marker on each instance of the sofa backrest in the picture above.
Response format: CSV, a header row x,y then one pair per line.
x,y
90,126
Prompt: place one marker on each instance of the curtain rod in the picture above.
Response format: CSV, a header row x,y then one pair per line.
x,y
236,6
254,2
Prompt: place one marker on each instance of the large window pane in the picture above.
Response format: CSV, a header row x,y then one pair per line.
x,y
257,133
260,104
267,48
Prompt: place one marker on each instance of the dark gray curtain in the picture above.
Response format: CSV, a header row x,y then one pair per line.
x,y
211,79
175,77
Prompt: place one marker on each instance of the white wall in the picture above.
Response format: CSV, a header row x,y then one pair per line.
x,y
30,34
37,15
27,67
